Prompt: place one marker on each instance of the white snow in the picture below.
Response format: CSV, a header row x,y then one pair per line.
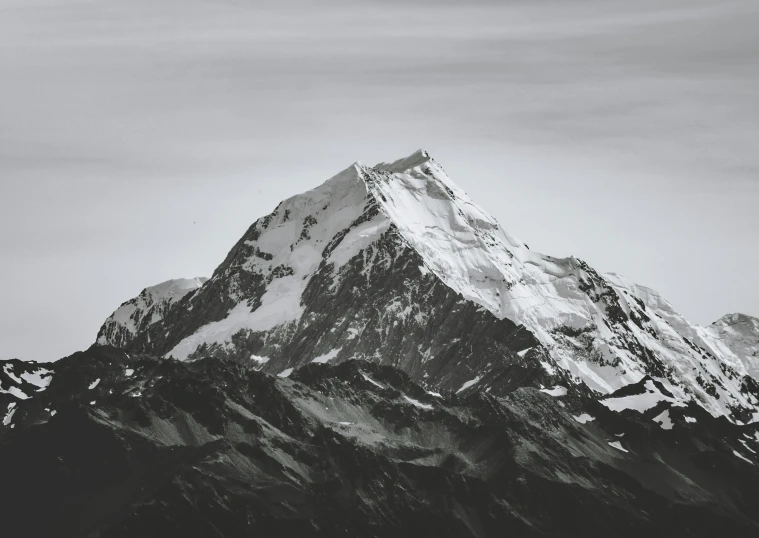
x,y
745,445
40,378
618,446
641,402
321,359
523,352
94,383
550,370
9,413
285,373
584,418
8,369
690,420
163,293
663,420
557,391
744,458
469,383
435,394
129,372
92,402
417,403
259,360
372,381
345,423
15,391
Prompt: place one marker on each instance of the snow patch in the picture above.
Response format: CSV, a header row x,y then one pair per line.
x,y
321,359
9,413
417,403
259,359
689,420
557,391
744,458
469,383
285,373
372,381
641,402
663,420
94,384
129,372
618,446
584,418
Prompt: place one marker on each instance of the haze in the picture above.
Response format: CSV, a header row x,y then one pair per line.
x,y
140,138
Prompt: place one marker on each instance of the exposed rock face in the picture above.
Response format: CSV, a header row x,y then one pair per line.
x,y
395,264
125,445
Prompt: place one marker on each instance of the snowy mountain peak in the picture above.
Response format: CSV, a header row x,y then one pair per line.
x,y
364,265
147,308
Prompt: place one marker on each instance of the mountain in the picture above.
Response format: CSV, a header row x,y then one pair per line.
x,y
395,264
119,444
379,358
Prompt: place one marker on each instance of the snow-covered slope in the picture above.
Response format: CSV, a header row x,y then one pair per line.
x,y
354,268
146,309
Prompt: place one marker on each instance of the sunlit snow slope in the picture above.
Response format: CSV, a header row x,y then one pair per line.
x,y
286,281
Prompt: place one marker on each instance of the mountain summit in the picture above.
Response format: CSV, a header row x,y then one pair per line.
x,y
395,264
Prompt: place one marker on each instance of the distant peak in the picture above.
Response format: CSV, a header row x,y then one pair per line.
x,y
736,318
418,158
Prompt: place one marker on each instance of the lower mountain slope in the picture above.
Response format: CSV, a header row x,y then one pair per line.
x,y
117,444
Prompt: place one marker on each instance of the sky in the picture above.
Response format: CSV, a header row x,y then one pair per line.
x,y
140,138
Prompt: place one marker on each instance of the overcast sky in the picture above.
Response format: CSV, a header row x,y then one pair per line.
x,y
140,138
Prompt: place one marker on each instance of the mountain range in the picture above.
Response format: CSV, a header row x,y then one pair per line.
x,y
378,356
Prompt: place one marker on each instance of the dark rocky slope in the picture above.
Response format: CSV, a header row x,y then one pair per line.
x,y
122,445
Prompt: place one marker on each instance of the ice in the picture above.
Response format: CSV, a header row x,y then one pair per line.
x,y
285,373
663,420
690,420
92,402
584,418
417,403
94,383
435,394
321,359
129,372
618,446
557,391
469,383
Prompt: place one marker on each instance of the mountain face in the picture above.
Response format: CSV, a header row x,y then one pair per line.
x,y
118,444
396,265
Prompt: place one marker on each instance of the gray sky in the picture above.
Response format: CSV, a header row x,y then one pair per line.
x,y
140,138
